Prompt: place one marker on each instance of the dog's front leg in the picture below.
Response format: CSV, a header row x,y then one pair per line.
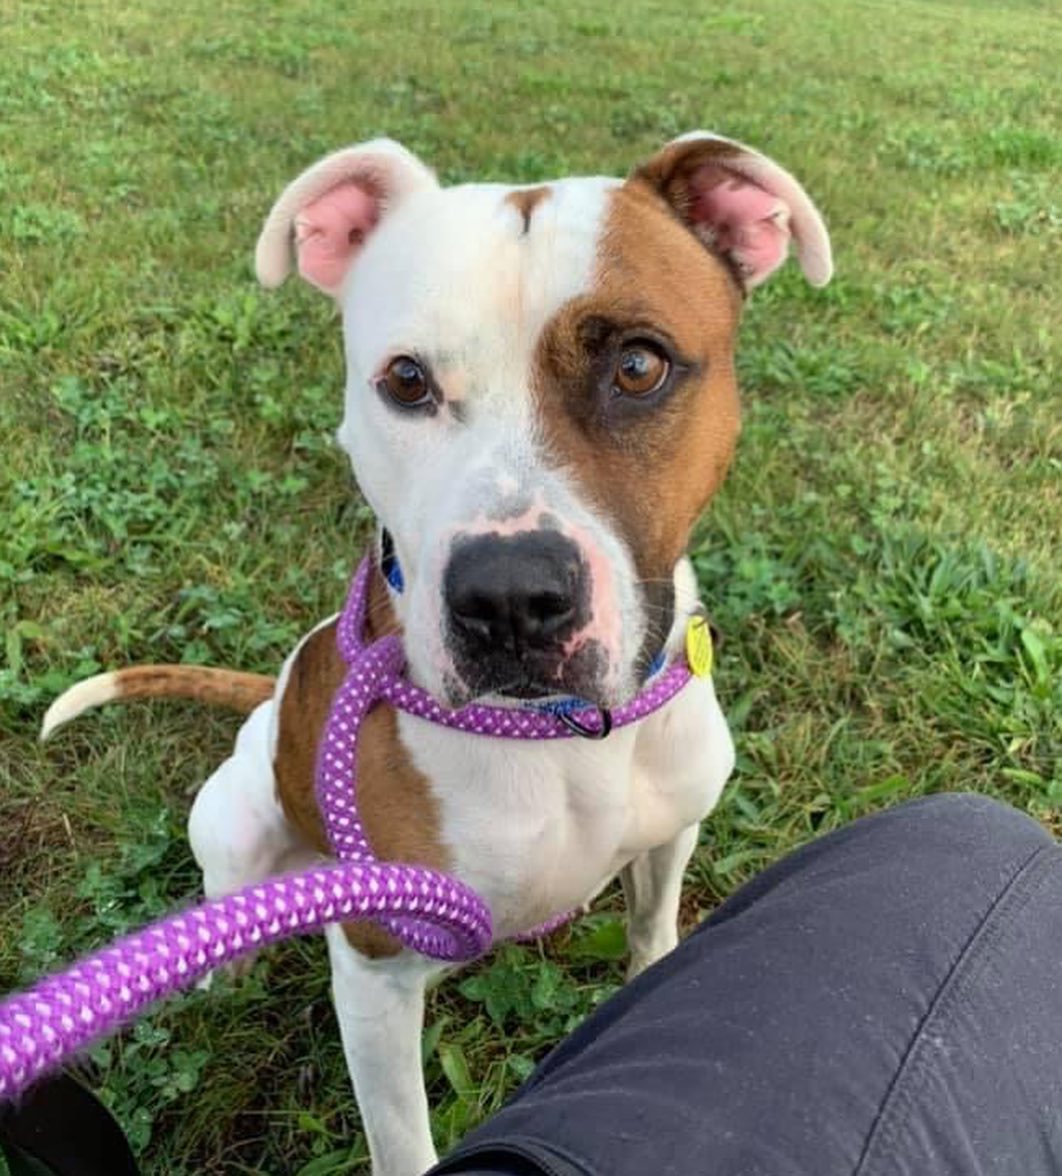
x,y
652,887
380,1007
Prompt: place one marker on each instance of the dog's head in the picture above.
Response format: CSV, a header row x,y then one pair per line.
x,y
540,393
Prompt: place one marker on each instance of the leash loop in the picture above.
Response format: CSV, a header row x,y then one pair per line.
x,y
577,727
430,912
41,1028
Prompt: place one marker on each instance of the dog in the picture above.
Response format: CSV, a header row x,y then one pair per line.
x,y
540,402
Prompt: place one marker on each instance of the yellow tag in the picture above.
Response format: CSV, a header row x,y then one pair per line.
x,y
699,647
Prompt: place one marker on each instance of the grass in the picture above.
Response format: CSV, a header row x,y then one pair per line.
x,y
883,561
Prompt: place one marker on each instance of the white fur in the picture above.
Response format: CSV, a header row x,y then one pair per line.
x,y
537,829
83,696
386,166
476,311
451,276
536,832
460,279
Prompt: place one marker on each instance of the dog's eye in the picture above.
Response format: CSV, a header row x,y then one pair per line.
x,y
406,382
641,369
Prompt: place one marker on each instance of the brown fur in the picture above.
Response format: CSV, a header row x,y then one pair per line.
x,y
651,468
213,687
526,201
395,801
670,171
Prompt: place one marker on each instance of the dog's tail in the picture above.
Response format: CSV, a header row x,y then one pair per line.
x,y
228,688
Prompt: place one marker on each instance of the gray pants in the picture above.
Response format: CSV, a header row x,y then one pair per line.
x,y
886,1001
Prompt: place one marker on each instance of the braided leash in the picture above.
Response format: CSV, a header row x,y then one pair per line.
x,y
429,912
42,1028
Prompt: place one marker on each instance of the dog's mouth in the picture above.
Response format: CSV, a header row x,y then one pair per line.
x,y
524,690
521,689
519,613
535,676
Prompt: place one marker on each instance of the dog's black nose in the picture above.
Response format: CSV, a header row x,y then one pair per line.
x,y
516,594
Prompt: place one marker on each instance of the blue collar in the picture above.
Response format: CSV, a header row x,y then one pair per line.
x,y
389,565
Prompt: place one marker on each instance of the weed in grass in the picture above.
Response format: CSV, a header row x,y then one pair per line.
x,y
1029,210
40,224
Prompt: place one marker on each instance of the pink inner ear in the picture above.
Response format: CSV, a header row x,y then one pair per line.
x,y
330,230
747,222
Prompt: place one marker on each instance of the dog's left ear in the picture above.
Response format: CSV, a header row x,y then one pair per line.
x,y
742,204
325,216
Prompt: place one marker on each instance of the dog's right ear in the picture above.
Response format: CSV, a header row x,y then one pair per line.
x,y
325,215
742,204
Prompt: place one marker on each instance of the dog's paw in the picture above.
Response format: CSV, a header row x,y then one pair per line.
x,y
637,966
643,957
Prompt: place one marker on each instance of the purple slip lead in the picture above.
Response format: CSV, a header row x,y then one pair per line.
x,y
43,1027
376,673
477,719
429,912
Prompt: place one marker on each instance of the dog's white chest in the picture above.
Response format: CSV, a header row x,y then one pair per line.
x,y
537,828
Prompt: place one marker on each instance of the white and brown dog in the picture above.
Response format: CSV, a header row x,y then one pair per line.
x,y
540,401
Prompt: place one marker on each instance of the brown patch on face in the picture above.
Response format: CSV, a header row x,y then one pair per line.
x,y
649,464
395,800
526,201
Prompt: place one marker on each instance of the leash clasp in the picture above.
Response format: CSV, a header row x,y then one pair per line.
x,y
581,729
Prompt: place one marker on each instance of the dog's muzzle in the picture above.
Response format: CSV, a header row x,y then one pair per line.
x,y
513,606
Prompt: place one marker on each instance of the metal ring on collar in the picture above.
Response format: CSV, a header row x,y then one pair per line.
x,y
578,728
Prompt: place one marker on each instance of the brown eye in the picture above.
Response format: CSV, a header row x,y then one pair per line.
x,y
642,368
406,382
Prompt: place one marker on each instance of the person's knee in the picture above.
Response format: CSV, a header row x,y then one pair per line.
x,y
982,824
933,854
947,850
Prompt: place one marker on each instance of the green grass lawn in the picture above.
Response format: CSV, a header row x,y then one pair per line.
x,y
883,562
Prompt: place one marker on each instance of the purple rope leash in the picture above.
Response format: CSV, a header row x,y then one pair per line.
x,y
497,721
60,1015
427,911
